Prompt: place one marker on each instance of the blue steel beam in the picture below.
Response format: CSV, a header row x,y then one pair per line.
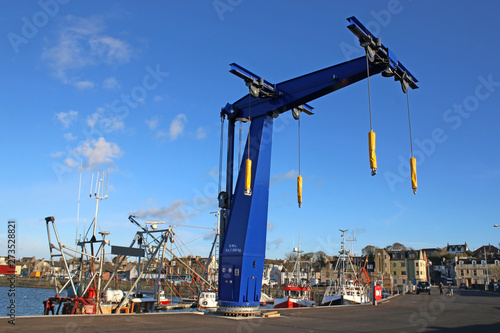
x,y
243,245
303,89
383,53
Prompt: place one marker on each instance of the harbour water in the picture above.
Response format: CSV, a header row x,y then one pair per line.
x,y
28,301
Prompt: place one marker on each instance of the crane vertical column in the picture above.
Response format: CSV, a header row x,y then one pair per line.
x,y
243,246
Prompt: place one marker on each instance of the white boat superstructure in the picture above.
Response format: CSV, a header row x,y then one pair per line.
x,y
349,293
296,294
294,297
207,300
345,289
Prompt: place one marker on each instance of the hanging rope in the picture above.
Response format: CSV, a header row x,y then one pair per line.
x,y
409,122
299,178
240,134
369,92
371,134
221,151
248,171
413,161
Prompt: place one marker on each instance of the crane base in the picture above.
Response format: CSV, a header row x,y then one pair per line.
x,y
244,311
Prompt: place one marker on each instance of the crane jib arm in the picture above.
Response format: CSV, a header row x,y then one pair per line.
x,y
244,216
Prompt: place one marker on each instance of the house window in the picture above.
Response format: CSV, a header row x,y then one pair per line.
x,y
404,281
417,273
483,263
394,265
462,272
475,273
403,272
467,272
394,273
385,256
385,265
474,263
496,262
461,263
416,264
484,272
403,264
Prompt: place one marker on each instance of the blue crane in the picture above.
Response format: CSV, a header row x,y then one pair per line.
x,y
244,208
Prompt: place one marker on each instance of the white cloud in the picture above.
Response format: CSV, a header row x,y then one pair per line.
x,y
153,122
84,85
111,83
69,136
112,124
66,118
157,98
57,154
177,126
174,213
161,134
201,133
92,119
83,42
289,175
98,152
70,162
109,124
110,50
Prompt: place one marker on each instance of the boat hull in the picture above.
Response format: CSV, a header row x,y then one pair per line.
x,y
289,303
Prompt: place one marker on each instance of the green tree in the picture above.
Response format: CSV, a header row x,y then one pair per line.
x,y
369,249
398,247
320,256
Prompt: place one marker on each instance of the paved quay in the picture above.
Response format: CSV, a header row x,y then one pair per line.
x,y
466,311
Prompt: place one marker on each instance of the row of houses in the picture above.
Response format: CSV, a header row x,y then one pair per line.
x,y
26,265
187,268
401,267
454,263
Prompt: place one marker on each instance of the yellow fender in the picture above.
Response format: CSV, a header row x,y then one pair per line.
x,y
248,178
299,190
371,148
413,167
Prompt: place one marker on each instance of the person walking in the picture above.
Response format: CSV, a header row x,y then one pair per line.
x,y
441,288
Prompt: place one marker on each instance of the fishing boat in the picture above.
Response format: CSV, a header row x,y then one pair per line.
x,y
294,297
265,299
296,293
347,287
207,301
158,295
87,292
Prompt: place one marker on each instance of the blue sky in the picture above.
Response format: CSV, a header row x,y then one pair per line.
x,y
138,89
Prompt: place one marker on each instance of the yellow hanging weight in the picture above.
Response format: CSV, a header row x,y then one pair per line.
x,y
299,190
248,178
371,148
413,167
